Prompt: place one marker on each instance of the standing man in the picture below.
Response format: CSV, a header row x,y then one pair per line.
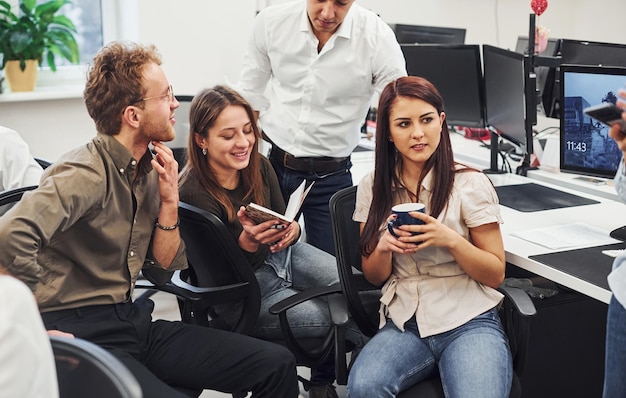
x,y
615,362
106,210
310,71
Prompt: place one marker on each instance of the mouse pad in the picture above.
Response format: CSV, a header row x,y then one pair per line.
x,y
534,197
588,264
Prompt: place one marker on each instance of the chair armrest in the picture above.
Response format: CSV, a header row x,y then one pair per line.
x,y
516,319
186,291
338,309
339,315
520,300
301,297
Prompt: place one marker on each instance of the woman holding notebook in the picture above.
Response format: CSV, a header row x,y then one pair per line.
x,y
224,173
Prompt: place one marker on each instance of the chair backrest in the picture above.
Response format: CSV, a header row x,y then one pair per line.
x,y
85,369
14,195
346,233
216,260
43,163
9,197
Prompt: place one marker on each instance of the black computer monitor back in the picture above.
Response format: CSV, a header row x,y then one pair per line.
x,y
456,71
419,34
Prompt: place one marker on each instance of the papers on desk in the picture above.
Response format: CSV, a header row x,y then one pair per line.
x,y
565,236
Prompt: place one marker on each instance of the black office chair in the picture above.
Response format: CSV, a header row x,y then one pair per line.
x,y
216,261
85,369
515,312
14,195
43,163
10,196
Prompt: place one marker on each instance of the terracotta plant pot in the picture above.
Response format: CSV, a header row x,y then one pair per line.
x,y
21,80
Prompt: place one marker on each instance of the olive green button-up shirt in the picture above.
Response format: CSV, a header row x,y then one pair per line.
x,y
84,235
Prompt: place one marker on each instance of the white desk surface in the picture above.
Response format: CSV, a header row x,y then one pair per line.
x,y
604,215
601,215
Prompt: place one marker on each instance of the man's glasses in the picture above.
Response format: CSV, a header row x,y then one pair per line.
x,y
170,93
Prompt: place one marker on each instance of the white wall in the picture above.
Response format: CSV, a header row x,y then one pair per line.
x,y
203,43
50,127
499,22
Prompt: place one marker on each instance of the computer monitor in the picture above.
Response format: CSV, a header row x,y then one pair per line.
x,y
418,34
505,106
586,147
510,98
581,52
457,73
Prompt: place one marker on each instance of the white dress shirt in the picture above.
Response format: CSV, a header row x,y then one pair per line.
x,y
314,104
617,277
18,168
28,368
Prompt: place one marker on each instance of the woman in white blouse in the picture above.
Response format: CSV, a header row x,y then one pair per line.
x,y
438,310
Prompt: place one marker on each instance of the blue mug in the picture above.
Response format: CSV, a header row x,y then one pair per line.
x,y
404,218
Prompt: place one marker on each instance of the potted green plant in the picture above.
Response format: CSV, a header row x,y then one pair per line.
x,y
37,33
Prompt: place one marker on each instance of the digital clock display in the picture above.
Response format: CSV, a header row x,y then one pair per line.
x,y
576,146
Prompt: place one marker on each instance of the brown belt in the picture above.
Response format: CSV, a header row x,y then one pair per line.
x,y
308,164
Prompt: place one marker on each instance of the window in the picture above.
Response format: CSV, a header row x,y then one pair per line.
x,y
97,22
87,17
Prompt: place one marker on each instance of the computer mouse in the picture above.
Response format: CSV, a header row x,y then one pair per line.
x,y
619,233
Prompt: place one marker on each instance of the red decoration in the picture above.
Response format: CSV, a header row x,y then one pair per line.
x,y
539,6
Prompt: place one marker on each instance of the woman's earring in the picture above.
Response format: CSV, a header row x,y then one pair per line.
x,y
204,151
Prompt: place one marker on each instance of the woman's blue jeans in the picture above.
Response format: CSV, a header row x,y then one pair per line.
x,y
473,360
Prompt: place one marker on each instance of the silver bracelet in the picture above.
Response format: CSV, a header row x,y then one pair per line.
x,y
156,224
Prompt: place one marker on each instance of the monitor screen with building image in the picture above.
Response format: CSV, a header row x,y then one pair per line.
x,y
585,145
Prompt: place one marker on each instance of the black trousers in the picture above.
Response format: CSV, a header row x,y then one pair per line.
x,y
168,357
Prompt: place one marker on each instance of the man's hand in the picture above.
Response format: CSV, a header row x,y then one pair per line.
x,y
59,333
167,168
